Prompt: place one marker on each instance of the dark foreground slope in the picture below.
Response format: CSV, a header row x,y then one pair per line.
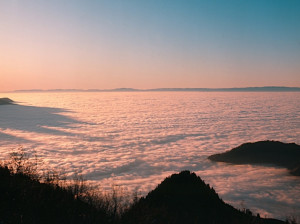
x,y
181,198
264,152
25,200
185,198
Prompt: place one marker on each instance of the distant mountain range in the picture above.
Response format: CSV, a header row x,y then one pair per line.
x,y
245,89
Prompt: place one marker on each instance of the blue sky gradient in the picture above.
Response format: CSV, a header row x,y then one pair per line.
x,y
149,44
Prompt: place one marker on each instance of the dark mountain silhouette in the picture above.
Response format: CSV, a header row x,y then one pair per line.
x,y
6,101
185,198
24,199
181,198
264,152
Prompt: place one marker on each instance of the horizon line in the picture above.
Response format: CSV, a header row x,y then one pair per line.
x,y
231,89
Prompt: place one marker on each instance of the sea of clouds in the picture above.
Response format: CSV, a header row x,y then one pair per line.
x,y
135,140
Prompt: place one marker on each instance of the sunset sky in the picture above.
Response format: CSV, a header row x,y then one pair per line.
x,y
148,44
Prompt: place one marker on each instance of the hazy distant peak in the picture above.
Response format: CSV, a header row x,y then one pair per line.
x,y
5,101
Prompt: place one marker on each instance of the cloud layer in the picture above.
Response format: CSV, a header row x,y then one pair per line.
x,y
137,139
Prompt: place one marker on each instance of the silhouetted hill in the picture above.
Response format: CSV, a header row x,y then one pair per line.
x,y
5,101
264,152
23,199
181,198
185,198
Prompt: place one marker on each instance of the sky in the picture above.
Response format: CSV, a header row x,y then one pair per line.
x,y
64,44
